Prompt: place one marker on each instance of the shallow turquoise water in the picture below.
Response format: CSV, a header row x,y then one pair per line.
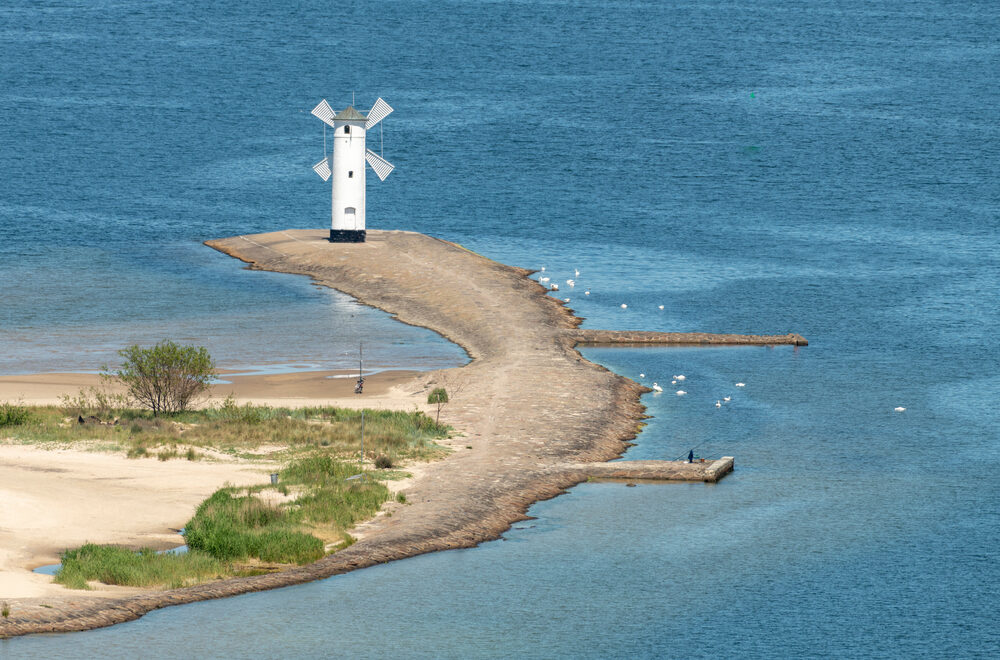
x,y
818,167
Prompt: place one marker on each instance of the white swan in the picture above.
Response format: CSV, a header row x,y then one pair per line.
x,y
899,409
543,279
555,287
661,306
586,293
681,377
642,375
657,388
741,384
571,282
726,398
718,404
681,392
576,272
565,299
624,306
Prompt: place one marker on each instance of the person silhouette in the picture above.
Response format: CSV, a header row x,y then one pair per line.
x,y
691,456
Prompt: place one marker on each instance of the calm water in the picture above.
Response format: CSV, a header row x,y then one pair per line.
x,y
820,167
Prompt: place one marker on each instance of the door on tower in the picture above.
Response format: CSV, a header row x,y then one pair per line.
x,y
350,218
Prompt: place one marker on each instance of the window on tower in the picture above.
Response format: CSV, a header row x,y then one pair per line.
x,y
347,129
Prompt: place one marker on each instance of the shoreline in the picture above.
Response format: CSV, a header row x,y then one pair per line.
x,y
534,412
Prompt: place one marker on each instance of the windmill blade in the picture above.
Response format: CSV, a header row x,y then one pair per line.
x,y
324,112
379,111
322,168
381,166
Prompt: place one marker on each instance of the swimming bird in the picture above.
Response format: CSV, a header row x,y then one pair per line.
x,y
565,299
642,375
673,382
543,269
624,306
741,384
571,282
543,279
576,273
555,287
899,408
657,388
661,306
586,293
726,398
681,392
718,404
681,377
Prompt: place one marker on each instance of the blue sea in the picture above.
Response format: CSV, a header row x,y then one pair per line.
x,y
821,167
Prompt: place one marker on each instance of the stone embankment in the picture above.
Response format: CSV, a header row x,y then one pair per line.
x,y
537,417
586,336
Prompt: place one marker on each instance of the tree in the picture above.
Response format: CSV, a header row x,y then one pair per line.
x,y
438,396
166,377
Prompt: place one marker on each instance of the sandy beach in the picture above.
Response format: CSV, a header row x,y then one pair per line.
x,y
531,412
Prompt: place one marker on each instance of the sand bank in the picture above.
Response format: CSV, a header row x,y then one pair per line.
x,y
532,410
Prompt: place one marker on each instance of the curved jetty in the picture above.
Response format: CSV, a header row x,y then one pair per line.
x,y
538,417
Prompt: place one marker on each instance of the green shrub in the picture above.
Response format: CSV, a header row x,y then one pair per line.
x,y
383,462
167,377
12,414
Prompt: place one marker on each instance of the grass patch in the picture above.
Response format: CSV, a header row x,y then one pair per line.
x,y
236,524
237,430
113,564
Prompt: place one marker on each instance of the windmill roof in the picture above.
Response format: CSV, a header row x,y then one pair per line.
x,y
349,114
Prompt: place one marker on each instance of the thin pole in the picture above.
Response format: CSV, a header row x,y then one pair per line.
x,y
362,466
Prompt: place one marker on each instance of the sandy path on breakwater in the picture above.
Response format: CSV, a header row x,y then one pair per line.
x,y
533,411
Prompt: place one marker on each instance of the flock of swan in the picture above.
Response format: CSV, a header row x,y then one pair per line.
x,y
546,281
571,282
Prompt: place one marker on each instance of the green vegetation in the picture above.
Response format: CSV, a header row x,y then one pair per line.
x,y
5,610
13,414
243,531
167,377
113,564
249,431
439,397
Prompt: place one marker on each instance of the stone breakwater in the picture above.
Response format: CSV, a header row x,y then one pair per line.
x,y
538,417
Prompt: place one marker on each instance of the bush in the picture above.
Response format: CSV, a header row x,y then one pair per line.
x,y
439,397
112,564
166,377
12,414
383,462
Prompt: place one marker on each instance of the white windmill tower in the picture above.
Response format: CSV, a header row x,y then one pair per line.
x,y
348,168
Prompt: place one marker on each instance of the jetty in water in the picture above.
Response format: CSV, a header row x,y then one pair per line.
x,y
537,417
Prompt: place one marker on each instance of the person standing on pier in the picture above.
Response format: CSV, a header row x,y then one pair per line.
x,y
691,456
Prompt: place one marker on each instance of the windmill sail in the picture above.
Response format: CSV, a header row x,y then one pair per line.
x,y
381,166
379,111
322,168
325,112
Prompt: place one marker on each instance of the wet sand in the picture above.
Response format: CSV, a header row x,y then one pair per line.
x,y
533,412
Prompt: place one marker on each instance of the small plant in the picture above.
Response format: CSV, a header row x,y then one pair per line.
x,y
438,397
5,609
166,455
12,414
401,497
383,462
136,452
192,455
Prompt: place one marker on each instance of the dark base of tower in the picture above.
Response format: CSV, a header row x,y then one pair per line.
x,y
347,235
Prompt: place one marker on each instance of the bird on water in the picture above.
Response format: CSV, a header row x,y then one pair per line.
x,y
899,409
718,404
624,306
681,392
741,384
657,388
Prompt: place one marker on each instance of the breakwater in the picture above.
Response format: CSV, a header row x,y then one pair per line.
x,y
537,417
